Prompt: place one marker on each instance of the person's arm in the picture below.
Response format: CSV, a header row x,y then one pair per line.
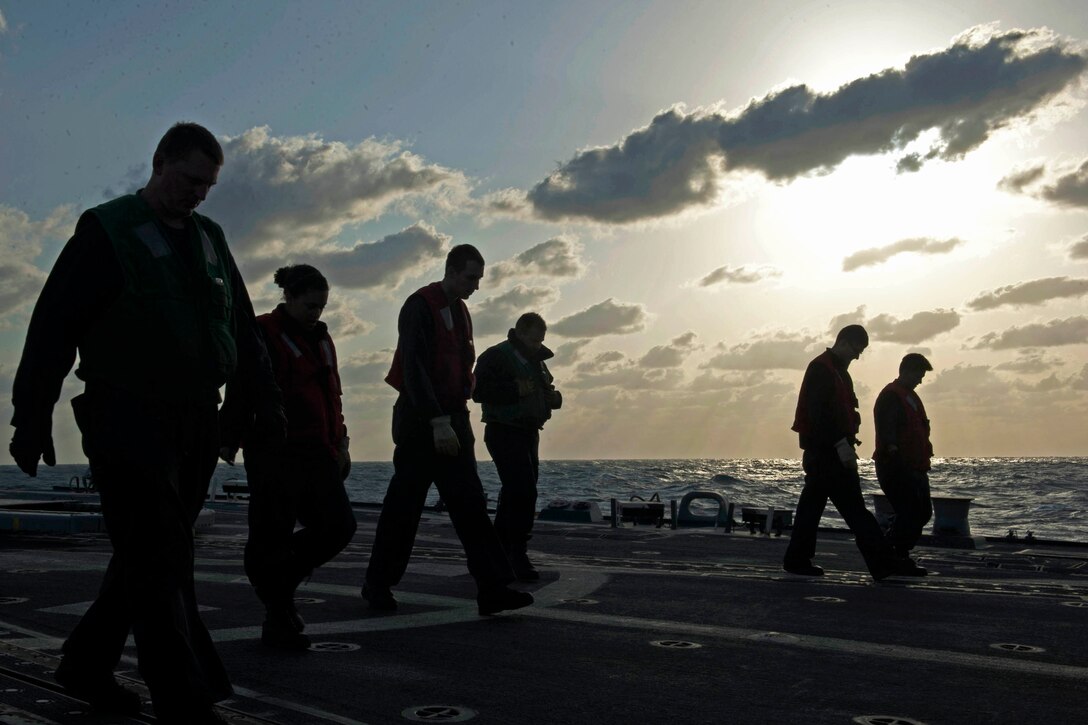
x,y
415,329
84,281
494,383
888,415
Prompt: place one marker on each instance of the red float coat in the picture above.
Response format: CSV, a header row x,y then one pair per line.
x,y
304,362
912,430
837,416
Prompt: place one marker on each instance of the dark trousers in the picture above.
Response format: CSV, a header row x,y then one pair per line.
x,y
152,466
289,486
908,493
827,478
415,467
516,453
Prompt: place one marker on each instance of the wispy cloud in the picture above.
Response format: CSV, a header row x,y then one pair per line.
x,y
21,239
984,81
497,314
1079,250
780,350
913,330
1030,363
282,193
604,318
3,23
1063,187
879,255
743,274
1035,292
557,258
672,355
614,369
1070,331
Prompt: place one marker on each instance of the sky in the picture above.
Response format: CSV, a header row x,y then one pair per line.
x,y
695,195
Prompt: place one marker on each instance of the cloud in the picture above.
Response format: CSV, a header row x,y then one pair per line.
x,y
499,313
21,243
603,318
556,258
614,369
367,368
343,322
569,353
1079,250
917,328
1063,187
280,194
1070,331
879,255
3,23
781,350
1029,363
984,81
736,275
672,355
1080,380
1035,292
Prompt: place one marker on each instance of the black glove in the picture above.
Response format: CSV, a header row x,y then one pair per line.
x,y
31,442
270,422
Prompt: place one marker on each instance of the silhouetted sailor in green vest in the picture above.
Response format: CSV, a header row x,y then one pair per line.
x,y
148,294
514,387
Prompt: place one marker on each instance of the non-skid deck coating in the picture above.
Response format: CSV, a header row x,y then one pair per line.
x,y
631,625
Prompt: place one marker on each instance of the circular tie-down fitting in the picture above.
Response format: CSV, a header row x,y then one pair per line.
x,y
438,713
1017,648
675,644
775,637
826,600
578,600
308,600
885,720
13,600
333,647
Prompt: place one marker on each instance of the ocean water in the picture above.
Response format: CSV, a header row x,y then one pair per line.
x,y
1047,496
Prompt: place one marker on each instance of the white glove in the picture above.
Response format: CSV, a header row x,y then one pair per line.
x,y
847,454
445,438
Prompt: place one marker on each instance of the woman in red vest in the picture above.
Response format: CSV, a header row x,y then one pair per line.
x,y
300,480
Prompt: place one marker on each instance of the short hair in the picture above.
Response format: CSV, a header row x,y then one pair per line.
x,y
530,321
461,255
298,279
185,137
914,362
853,334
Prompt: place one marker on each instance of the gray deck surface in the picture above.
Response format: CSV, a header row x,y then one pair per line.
x,y
633,624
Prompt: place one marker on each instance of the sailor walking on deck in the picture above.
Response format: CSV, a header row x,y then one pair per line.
x,y
515,390
434,443
147,291
902,456
827,423
300,480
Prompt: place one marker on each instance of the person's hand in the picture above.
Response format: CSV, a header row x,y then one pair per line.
x,y
270,422
343,458
445,437
227,453
554,399
525,387
30,443
847,455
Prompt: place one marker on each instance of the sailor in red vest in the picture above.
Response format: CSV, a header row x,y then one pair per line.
x,y
432,372
827,424
902,456
300,480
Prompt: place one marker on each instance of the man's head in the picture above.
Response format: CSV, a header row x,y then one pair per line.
x,y
530,330
912,368
850,343
184,168
464,269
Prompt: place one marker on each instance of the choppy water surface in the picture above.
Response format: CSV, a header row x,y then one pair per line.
x,y
1048,496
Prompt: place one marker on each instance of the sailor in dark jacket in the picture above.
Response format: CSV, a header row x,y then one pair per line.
x,y
514,387
148,294
902,456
